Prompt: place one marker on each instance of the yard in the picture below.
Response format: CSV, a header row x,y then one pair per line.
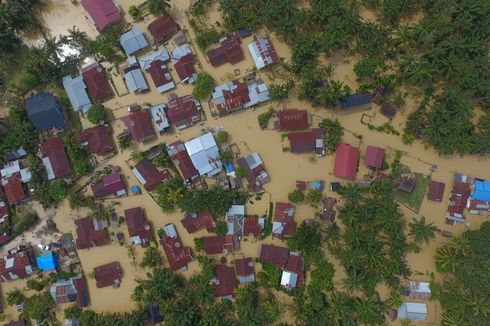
x,y
414,199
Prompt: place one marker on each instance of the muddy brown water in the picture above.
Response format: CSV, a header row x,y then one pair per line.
x,y
283,167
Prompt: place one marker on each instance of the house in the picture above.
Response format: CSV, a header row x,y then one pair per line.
x,y
234,219
162,28
108,275
277,256
256,174
198,221
346,161
460,195
133,41
407,182
412,311
15,266
183,61
134,79
355,100
375,157
253,226
97,140
90,233
180,38
263,52
16,168
223,282
14,189
149,176
160,75
229,51
184,111
293,275
77,93
110,185
104,13
54,158
283,223
47,261
15,154
436,190
139,124
159,118
291,120
139,228
44,111
180,158
236,95
220,245
388,110
204,154
5,217
328,212
97,82
307,141
244,269
71,290
418,290
177,255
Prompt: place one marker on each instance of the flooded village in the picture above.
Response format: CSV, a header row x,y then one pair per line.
x,y
213,142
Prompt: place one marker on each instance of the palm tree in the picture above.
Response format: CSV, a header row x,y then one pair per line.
x,y
340,308
353,281
369,311
447,260
420,231
158,7
314,197
351,193
460,244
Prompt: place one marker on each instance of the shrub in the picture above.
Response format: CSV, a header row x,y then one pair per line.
x,y
223,136
58,189
96,113
204,85
123,142
198,244
240,172
135,13
265,117
14,298
221,228
296,196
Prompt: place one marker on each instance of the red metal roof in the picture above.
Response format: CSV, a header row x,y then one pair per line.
x,y
302,142
234,99
185,67
162,28
182,161
218,244
87,236
244,267
138,225
177,255
139,125
54,150
346,161
374,157
296,265
110,185
103,12
436,190
159,73
107,275
97,82
291,120
459,198
229,51
82,292
217,57
151,174
277,256
226,281
98,139
17,267
282,215
14,190
195,222
182,111
251,227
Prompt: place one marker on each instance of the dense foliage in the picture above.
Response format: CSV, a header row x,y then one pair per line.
x,y
333,134
216,200
96,113
204,85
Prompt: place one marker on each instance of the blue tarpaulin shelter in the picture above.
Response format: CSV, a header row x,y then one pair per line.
x,y
47,261
135,189
482,190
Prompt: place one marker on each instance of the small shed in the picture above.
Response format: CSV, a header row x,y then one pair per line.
x,y
436,190
388,110
413,311
374,157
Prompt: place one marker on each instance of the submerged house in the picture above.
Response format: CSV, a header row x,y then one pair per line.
x,y
44,111
307,142
283,224
290,262
77,93
16,266
253,226
375,157
139,124
183,111
139,229
458,200
97,140
256,174
479,203
223,282
91,233
177,255
346,161
220,244
182,161
244,269
108,275
104,13
73,289
159,118
134,79
133,41
13,176
412,311
436,190
355,100
234,219
149,176
228,51
54,158
292,120
204,154
263,52
97,81
183,61
162,28
198,221
111,185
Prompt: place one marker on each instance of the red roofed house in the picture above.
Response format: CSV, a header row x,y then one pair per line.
x,y
97,140
234,97
71,290
149,176
253,226
163,28
375,157
307,141
139,228
229,51
245,270
162,79
177,256
220,245
195,222
346,161
436,190
97,82
181,159
256,174
14,188
460,194
139,125
103,12
110,185
283,220
183,111
277,256
4,217
108,275
15,266
224,282
293,275
91,233
54,158
292,120
183,60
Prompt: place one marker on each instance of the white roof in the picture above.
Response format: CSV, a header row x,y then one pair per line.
x,y
412,311
161,55
77,93
138,176
204,154
25,175
170,230
135,81
133,41
159,117
180,51
253,160
236,210
259,49
9,263
289,279
420,287
10,168
48,168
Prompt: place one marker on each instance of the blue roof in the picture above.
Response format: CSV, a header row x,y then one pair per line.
x,y
135,80
44,111
229,167
133,41
47,261
355,100
135,189
482,190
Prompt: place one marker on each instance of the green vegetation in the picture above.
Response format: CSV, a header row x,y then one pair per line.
x,y
137,156
421,231
222,136
216,200
79,157
14,298
107,43
333,133
414,199
78,200
170,193
314,197
20,132
97,113
58,189
308,240
22,222
240,172
386,127
207,36
281,92
269,276
296,196
265,117
135,13
151,258
123,142
158,7
38,307
204,85
221,228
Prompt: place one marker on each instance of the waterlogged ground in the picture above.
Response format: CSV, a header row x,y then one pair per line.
x,y
284,168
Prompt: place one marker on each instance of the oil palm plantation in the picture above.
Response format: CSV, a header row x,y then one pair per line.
x,y
421,231
447,259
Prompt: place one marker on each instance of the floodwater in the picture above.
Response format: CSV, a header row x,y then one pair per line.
x,y
283,167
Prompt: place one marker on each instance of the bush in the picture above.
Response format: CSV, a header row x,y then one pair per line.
x,y
204,85
78,200
240,172
265,117
151,258
58,189
206,37
15,298
221,228
123,142
333,133
96,113
137,156
296,196
35,285
198,244
135,13
24,222
223,136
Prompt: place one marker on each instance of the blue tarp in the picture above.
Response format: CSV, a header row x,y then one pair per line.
x,y
355,100
135,189
47,261
229,167
482,190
